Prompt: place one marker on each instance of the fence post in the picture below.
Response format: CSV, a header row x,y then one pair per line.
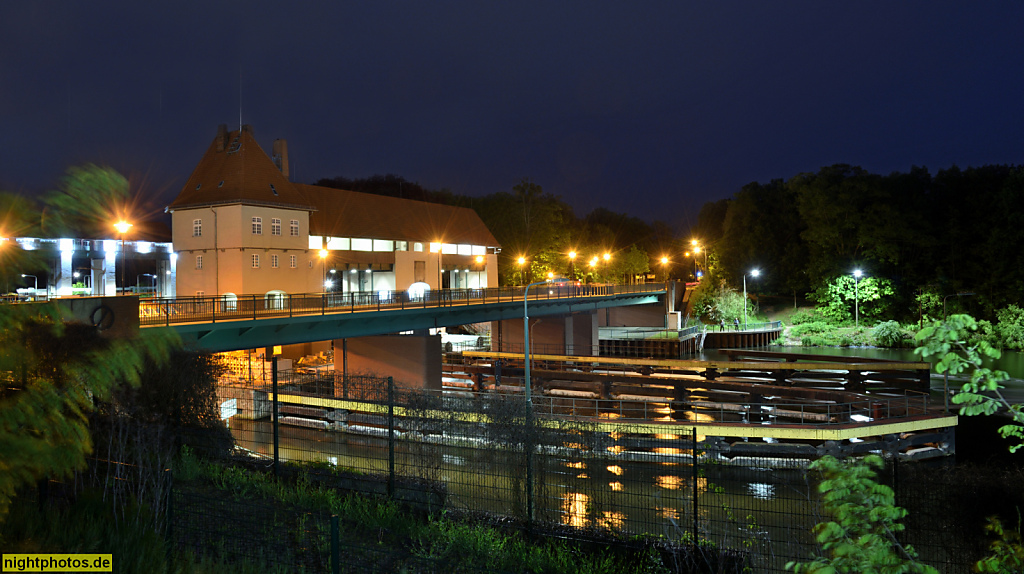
x,y
273,366
695,507
335,546
391,437
168,508
529,465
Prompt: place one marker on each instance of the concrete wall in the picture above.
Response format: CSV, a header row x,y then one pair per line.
x,y
564,334
414,361
633,316
116,317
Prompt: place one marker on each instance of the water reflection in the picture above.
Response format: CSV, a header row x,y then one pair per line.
x,y
574,509
669,482
615,469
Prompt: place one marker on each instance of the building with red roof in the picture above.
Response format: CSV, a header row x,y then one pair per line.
x,y
240,226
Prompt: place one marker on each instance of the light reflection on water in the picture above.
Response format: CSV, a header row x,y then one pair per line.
x,y
630,496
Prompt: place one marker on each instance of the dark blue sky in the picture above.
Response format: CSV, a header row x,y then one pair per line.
x,y
648,108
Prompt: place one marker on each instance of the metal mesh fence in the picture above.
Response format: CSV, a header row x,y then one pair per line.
x,y
492,453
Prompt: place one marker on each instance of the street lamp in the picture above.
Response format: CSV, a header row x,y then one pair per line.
x,y
122,227
137,277
323,266
521,261
753,273
526,337
963,294
856,296
572,265
664,266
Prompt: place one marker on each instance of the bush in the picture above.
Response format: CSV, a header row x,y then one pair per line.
x,y
889,334
813,328
1010,328
806,316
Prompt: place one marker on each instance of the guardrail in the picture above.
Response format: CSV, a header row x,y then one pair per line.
x,y
631,333
167,311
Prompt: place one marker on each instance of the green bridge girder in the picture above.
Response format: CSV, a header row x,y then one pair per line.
x,y
262,332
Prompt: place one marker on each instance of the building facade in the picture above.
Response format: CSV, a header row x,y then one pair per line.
x,y
239,226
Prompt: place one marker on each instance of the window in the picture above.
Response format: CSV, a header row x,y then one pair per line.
x,y
200,293
273,261
257,226
292,261
362,244
199,261
293,229
197,228
275,226
417,246
255,261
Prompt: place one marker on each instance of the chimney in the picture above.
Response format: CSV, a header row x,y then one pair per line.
x,y
281,156
222,136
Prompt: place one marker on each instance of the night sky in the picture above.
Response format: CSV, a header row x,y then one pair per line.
x,y
649,108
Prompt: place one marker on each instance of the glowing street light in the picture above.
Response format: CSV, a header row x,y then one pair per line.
x,y
856,295
122,227
323,266
753,273
572,265
521,261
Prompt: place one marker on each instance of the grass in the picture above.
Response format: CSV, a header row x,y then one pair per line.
x,y
380,533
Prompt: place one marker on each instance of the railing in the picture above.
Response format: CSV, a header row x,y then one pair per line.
x,y
631,333
634,409
767,326
165,311
860,411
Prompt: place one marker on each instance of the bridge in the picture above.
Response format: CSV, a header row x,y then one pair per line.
x,y
220,324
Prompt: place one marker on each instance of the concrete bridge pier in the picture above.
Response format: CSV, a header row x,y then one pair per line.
x,y
574,334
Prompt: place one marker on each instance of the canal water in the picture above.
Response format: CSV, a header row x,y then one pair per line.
x,y
755,507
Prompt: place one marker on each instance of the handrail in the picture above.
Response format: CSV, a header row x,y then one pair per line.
x,y
167,311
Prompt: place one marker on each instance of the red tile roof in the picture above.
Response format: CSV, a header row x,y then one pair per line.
x,y
241,172
341,213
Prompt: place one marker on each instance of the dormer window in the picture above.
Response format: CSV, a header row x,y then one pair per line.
x,y
221,184
198,185
274,189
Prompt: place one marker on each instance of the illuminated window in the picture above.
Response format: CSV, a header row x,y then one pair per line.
x,y
200,293
292,261
255,261
273,261
197,228
293,229
199,261
417,247
257,226
275,226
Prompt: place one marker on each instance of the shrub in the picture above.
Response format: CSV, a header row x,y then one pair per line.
x,y
1010,328
806,316
889,334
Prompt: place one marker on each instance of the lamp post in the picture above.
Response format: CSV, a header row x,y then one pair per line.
x,y
323,268
521,261
753,273
137,277
572,265
526,337
122,227
664,267
856,296
440,266
958,295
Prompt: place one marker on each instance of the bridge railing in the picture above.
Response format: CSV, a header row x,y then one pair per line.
x,y
166,311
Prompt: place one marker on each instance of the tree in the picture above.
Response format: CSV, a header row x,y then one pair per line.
x,y
52,371
838,297
952,339
861,537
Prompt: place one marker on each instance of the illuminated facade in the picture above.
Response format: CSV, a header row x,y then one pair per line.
x,y
239,226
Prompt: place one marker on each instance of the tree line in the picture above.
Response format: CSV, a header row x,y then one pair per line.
x,y
923,237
